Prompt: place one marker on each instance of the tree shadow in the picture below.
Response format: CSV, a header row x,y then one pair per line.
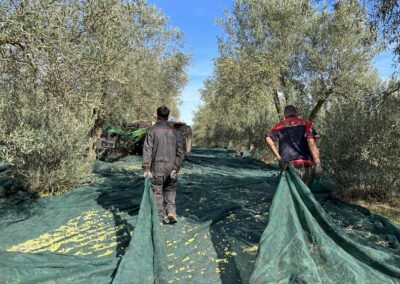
x,y
121,195
237,218
233,194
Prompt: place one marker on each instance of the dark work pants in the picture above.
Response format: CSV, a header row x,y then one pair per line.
x,y
164,189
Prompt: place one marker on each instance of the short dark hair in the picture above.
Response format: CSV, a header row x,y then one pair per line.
x,y
163,113
290,111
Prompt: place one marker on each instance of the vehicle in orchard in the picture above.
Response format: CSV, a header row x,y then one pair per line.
x,y
128,139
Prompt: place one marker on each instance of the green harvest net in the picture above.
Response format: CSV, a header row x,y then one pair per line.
x,y
96,234
303,245
145,261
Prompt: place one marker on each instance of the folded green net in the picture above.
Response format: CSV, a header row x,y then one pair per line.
x,y
145,259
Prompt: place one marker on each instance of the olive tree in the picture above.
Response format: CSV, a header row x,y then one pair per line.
x,y
67,69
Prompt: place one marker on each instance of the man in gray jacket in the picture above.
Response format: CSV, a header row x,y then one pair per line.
x,y
163,153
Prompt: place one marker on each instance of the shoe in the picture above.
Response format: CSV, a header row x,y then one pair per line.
x,y
172,218
161,224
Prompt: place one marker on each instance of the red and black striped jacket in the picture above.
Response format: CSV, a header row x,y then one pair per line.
x,y
292,134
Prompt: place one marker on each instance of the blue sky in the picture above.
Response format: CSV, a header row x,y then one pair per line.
x,y
197,20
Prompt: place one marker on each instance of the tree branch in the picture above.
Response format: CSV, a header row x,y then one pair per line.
x,y
277,102
14,42
320,103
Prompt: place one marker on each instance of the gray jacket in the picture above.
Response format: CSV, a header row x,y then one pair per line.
x,y
163,149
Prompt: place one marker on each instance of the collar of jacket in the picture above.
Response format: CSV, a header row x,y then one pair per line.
x,y
162,122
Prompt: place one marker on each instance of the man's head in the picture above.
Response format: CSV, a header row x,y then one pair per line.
x,y
290,111
162,113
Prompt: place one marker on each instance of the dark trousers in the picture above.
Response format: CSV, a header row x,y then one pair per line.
x,y
164,189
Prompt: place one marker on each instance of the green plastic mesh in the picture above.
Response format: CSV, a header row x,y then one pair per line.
x,y
125,132
145,260
303,245
97,234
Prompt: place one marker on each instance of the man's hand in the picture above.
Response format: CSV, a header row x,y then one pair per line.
x,y
318,170
173,174
147,174
283,164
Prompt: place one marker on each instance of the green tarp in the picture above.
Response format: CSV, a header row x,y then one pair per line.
x,y
96,234
303,245
125,132
145,260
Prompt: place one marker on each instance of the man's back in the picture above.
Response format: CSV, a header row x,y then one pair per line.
x,y
163,148
296,144
292,134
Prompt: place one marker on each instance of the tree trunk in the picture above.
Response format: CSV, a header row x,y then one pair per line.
x,y
95,134
316,109
277,103
318,106
284,85
97,129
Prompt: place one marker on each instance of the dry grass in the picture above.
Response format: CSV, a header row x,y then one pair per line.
x,y
390,210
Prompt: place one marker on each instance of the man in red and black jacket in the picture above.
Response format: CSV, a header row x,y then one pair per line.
x,y
297,145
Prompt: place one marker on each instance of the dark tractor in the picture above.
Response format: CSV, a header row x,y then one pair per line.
x,y
120,141
128,140
186,132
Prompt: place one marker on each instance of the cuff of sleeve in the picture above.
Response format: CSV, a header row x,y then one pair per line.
x,y
269,134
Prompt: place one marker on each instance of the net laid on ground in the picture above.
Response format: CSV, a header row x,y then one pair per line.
x,y
95,234
303,245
